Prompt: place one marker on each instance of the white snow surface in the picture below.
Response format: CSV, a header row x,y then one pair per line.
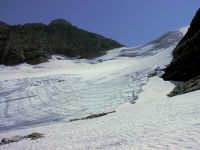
x,y
61,90
154,122
184,29
45,97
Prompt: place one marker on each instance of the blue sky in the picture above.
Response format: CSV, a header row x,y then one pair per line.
x,y
131,22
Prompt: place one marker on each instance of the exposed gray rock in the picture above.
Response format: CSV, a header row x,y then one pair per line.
x,y
92,116
35,135
12,139
156,72
189,86
32,136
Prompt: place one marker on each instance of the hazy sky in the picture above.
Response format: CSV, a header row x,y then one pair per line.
x,y
131,22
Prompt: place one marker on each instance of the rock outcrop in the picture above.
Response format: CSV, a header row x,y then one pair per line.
x,y
186,87
186,56
185,65
17,138
36,42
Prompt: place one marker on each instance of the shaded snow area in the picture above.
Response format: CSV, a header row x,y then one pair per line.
x,y
44,98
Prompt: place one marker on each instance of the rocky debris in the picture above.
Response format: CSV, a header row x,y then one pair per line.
x,y
32,136
157,71
34,43
92,116
189,86
12,139
98,115
35,135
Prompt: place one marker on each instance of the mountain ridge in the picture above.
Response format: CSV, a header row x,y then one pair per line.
x,y
34,43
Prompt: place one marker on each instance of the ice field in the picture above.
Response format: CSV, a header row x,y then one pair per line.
x,y
64,89
44,98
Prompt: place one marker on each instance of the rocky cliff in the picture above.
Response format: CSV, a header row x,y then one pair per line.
x,y
185,65
35,42
186,56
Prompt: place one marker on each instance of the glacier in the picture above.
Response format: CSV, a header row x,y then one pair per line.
x,y
42,98
64,89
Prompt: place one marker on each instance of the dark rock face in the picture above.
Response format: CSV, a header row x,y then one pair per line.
x,y
189,86
186,56
35,42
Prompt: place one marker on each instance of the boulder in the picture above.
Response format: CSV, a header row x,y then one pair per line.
x,y
35,135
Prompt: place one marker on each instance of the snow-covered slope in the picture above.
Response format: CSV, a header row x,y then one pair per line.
x,y
33,97
154,122
64,89
165,41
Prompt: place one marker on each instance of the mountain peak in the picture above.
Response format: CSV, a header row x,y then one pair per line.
x,y
60,22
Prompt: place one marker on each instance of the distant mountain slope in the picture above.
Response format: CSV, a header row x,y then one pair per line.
x,y
35,42
164,42
186,56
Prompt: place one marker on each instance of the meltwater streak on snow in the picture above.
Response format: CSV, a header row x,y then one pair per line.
x,y
61,90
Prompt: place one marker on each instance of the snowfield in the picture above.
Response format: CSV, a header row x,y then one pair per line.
x,y
44,98
100,87
154,122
